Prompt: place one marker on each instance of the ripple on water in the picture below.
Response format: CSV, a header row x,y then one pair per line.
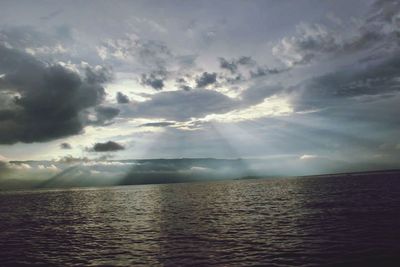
x,y
303,222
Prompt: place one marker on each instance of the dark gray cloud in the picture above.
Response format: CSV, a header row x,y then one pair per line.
x,y
206,79
380,29
98,75
374,78
158,124
233,64
150,53
310,41
182,105
121,98
65,146
228,65
263,71
369,79
109,146
180,81
104,115
154,79
186,87
182,84
244,68
45,101
156,83
246,61
232,78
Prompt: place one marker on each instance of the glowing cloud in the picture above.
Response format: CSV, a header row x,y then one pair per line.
x,y
271,107
306,157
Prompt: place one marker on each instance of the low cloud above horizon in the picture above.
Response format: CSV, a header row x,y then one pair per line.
x,y
314,84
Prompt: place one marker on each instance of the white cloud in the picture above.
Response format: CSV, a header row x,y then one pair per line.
x,y
46,50
270,107
200,169
107,163
20,166
307,156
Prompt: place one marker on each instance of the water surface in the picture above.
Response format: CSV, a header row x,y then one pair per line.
x,y
343,220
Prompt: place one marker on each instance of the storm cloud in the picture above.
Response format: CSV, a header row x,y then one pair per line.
x,y
42,101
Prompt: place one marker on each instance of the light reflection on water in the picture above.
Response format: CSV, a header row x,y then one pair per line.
x,y
302,222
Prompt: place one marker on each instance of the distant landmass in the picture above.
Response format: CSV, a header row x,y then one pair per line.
x,y
70,172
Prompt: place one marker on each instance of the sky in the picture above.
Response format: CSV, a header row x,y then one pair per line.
x,y
304,83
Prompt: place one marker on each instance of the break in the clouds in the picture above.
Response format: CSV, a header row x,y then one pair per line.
x,y
314,83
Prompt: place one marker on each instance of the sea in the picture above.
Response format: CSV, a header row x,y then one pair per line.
x,y
337,220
